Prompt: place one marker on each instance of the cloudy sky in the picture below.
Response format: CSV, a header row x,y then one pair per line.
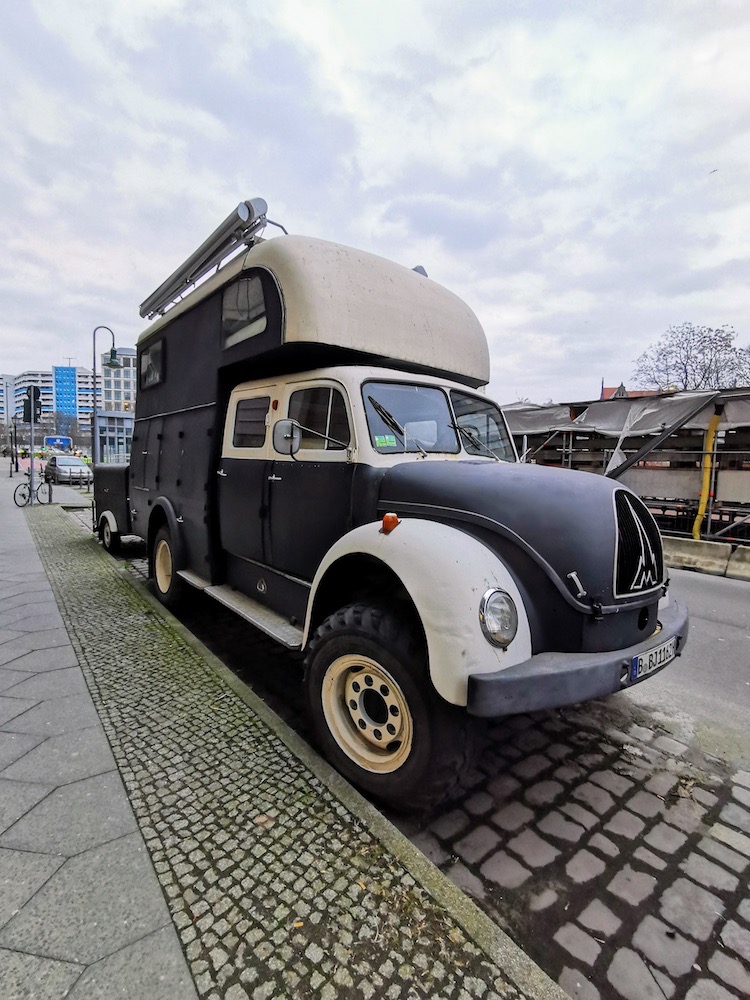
x,y
576,171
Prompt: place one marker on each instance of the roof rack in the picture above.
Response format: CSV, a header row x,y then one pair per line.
x,y
241,227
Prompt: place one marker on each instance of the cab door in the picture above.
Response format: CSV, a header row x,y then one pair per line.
x,y
310,493
243,475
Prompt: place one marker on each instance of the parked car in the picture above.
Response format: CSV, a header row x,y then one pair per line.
x,y
68,470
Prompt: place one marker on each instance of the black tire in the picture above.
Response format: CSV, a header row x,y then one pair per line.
x,y
44,493
110,539
375,714
22,494
168,587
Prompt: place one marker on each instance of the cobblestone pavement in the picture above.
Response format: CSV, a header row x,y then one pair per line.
x,y
276,888
614,854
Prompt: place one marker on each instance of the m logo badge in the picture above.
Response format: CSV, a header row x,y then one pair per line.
x,y
639,559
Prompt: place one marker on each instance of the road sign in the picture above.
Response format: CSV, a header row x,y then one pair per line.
x,y
59,441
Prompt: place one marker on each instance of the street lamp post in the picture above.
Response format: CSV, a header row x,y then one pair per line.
x,y
14,457
112,363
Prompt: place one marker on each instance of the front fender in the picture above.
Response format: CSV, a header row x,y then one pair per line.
x,y
445,572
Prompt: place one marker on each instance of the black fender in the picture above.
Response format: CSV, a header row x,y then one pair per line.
x,y
163,513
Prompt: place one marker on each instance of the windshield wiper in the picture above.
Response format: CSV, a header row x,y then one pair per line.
x,y
474,440
390,421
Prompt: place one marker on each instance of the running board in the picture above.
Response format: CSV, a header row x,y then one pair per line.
x,y
270,622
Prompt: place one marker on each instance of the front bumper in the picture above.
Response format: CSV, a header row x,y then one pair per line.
x,y
551,680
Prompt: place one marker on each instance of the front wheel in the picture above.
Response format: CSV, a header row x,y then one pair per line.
x,y
22,494
44,493
376,715
167,584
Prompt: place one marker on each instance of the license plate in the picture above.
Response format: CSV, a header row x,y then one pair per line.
x,y
653,659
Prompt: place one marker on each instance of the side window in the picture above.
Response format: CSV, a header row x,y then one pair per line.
x,y
483,431
250,422
321,413
152,365
243,311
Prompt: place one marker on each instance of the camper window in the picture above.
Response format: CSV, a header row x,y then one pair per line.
x,y
243,311
152,364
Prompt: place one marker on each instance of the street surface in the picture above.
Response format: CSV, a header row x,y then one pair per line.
x,y
707,692
610,840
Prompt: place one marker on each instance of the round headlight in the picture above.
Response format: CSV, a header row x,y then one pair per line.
x,y
498,618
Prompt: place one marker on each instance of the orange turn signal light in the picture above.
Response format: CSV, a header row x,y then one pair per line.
x,y
389,523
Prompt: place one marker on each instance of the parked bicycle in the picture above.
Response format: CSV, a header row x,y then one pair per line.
x,y
22,493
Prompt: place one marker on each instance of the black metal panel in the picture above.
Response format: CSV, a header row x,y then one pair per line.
x,y
544,524
243,507
565,518
310,504
262,583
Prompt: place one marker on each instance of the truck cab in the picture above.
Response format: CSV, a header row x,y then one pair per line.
x,y
314,449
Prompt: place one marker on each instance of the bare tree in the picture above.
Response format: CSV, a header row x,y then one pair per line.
x,y
694,357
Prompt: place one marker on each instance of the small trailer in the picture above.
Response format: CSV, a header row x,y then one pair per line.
x,y
313,449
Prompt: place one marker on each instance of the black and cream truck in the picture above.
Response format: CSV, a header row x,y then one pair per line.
x,y
313,449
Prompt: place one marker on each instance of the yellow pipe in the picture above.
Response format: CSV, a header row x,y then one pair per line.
x,y
706,484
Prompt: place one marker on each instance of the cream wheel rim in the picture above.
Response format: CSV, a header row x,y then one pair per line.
x,y
163,566
367,713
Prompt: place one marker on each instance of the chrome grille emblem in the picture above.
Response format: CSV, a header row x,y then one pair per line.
x,y
638,564
647,573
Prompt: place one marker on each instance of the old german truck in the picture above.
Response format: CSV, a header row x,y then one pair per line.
x,y
313,449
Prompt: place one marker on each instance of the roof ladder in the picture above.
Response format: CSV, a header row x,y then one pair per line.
x,y
241,227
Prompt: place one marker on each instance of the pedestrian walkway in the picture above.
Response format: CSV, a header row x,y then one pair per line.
x,y
163,834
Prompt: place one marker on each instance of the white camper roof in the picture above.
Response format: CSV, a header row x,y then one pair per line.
x,y
342,297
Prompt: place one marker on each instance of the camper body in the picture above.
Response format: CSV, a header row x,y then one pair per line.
x,y
313,449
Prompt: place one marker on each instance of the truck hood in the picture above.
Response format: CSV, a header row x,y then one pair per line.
x,y
567,522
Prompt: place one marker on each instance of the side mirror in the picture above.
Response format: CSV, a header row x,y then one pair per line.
x,y
287,437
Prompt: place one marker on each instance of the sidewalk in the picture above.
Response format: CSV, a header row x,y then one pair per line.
x,y
168,836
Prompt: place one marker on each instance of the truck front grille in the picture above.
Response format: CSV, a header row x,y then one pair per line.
x,y
639,560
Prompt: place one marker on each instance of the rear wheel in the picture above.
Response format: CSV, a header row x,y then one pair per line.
x,y
167,585
376,715
110,539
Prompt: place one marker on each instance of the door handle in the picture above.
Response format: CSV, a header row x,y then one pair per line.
x,y
220,472
274,479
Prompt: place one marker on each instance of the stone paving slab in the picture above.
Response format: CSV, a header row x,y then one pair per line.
x,y
74,818
29,977
100,905
51,808
17,797
281,880
56,716
152,968
64,758
21,875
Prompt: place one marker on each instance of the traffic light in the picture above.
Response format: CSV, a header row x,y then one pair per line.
x,y
35,393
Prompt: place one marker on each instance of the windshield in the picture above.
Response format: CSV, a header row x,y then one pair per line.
x,y
483,429
411,418
70,461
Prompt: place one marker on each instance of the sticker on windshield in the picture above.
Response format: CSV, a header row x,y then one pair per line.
x,y
385,441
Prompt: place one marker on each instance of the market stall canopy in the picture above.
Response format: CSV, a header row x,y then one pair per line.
x,y
633,417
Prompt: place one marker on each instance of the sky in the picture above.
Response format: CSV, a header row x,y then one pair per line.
x,y
576,171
